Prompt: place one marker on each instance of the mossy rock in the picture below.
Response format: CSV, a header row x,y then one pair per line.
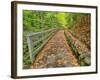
x,y
87,60
82,63
82,56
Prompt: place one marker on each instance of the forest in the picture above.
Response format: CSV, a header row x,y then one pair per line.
x,y
72,33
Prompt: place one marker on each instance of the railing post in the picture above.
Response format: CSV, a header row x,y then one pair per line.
x,y
29,40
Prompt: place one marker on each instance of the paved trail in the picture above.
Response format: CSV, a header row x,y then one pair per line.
x,y
56,53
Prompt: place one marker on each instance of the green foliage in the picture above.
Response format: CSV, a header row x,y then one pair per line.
x,y
35,21
62,18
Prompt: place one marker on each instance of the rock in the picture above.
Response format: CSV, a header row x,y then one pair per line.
x,y
87,60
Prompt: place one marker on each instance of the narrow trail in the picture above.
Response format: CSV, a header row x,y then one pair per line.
x,y
56,53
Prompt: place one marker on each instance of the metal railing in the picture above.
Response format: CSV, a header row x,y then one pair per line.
x,y
37,40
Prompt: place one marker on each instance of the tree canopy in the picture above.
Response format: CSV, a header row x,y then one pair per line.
x,y
42,20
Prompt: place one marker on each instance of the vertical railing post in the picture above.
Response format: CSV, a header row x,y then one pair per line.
x,y
29,40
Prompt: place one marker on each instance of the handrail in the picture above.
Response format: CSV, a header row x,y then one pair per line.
x,y
35,33
37,40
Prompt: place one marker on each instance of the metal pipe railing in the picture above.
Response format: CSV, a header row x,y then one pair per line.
x,y
36,41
